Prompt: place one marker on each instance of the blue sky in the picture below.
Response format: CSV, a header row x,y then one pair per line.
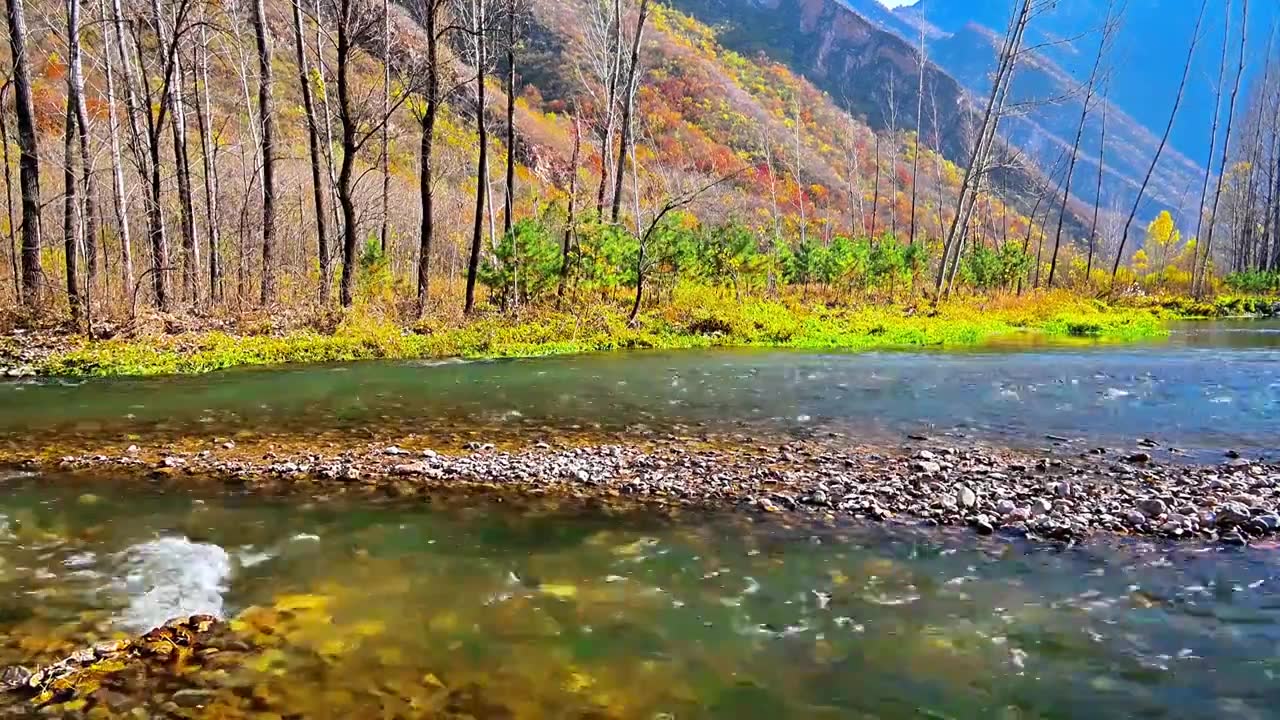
x,y
896,3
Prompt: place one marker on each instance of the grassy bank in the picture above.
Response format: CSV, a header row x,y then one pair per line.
x,y
692,319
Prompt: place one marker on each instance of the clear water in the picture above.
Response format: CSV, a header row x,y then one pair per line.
x,y
544,612
535,611
1207,388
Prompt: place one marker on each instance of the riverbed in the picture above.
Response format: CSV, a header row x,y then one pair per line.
x,y
533,608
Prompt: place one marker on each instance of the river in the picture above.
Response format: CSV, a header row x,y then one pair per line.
x,y
542,610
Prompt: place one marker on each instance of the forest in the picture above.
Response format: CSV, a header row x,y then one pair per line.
x,y
438,159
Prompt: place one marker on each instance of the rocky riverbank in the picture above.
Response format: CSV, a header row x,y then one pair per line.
x,y
922,482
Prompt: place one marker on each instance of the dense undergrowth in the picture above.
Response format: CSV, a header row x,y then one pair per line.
x,y
692,318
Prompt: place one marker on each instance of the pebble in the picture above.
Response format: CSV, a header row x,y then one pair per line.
x,y
1068,498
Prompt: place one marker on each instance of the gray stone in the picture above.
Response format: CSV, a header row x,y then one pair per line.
x,y
965,496
1231,515
1269,523
414,468
1152,507
1135,519
1040,506
927,467
393,450
1004,507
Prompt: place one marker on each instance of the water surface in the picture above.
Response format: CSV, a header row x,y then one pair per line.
x,y
1207,388
543,612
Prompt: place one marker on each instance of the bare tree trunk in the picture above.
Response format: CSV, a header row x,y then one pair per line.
x,y
267,115
349,148
313,148
1173,116
915,159
1198,288
8,196
571,220
70,223
482,180
1213,142
330,165
799,174
119,191
75,97
28,156
628,108
1102,171
426,189
1075,146
186,202
875,194
209,166
611,104
385,230
510,192
986,135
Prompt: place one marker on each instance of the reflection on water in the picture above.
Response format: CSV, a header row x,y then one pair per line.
x,y
1208,387
543,613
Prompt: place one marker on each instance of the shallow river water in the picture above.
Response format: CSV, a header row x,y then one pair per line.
x,y
1207,388
508,610
540,613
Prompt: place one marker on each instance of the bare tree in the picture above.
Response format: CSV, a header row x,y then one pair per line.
x,y
120,193
70,220
628,107
482,181
385,230
8,196
28,155
1164,140
1198,285
1102,171
266,116
1108,29
313,148
571,219
915,156
978,159
209,165
75,98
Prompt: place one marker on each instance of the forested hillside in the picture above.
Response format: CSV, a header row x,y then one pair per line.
x,y
440,156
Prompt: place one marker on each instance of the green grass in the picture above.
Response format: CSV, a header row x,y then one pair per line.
x,y
695,318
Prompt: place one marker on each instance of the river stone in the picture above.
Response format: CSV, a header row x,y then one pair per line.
x,y
1135,519
14,677
1231,514
1268,523
927,467
1152,507
414,468
191,698
1040,506
983,525
1004,507
1140,457
966,497
1018,515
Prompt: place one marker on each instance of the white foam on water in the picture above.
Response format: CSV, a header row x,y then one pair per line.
x,y
172,577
